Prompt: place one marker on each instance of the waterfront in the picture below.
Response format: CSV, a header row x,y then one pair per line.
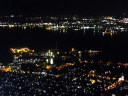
x,y
39,61
114,47
63,48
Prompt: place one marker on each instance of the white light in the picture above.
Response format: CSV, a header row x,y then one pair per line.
x,y
113,95
122,78
51,61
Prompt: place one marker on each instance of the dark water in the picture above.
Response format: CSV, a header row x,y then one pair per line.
x,y
115,47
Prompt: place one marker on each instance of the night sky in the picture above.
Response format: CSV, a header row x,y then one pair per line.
x,y
66,7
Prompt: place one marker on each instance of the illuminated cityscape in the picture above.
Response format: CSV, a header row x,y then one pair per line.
x,y
107,24
53,72
63,48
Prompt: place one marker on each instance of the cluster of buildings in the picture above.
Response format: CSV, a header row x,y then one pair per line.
x,y
27,59
107,24
53,72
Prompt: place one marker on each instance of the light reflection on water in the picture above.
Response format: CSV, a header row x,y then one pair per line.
x,y
93,32
38,39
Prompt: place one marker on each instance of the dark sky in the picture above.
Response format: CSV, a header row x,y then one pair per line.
x,y
58,7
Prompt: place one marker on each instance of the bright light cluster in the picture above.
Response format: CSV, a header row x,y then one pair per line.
x,y
21,50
